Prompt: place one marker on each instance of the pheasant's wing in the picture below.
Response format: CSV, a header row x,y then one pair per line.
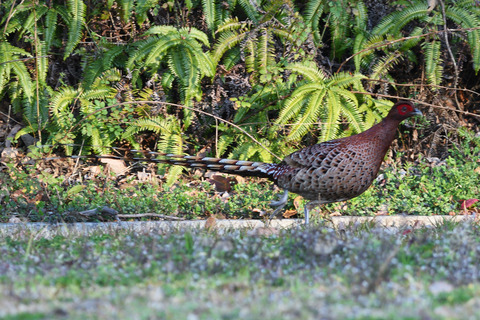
x,y
313,156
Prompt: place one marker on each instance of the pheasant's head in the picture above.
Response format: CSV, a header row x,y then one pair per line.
x,y
403,110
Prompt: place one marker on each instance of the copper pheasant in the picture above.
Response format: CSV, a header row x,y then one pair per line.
x,y
330,171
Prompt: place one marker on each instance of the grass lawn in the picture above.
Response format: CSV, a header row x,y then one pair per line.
x,y
358,272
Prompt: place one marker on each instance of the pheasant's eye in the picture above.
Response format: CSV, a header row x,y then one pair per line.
x,y
404,109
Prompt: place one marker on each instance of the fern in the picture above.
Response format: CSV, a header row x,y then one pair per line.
x,y
42,62
75,20
50,27
209,11
170,137
182,50
462,16
94,122
21,88
127,7
105,59
312,15
384,65
251,9
394,26
394,22
433,66
319,97
8,55
265,53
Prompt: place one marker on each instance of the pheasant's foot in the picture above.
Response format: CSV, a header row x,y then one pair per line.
x,y
282,201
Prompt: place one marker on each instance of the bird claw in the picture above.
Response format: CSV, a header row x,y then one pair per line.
x,y
280,202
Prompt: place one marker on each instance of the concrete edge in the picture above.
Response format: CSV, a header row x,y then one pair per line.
x,y
85,228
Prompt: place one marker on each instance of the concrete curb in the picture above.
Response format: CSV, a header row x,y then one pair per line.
x,y
85,228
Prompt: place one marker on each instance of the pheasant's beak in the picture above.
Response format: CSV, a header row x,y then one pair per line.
x,y
417,112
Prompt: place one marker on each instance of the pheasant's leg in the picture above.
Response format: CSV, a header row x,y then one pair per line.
x,y
305,212
309,206
280,203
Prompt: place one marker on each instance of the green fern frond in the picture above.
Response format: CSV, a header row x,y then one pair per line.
x,y
313,12
8,56
158,124
99,93
331,117
464,18
170,138
310,116
24,79
265,53
160,49
344,80
209,13
308,70
300,96
140,50
287,35
63,98
127,7
358,45
361,16
193,33
433,62
249,46
384,65
321,98
42,62
232,24
182,65
75,25
351,111
394,22
167,80
161,30
28,24
224,142
251,9
184,57
226,41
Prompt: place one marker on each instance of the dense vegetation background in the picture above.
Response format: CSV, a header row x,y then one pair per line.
x,y
285,72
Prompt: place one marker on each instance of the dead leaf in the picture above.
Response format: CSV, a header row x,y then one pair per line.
x,y
260,212
222,184
431,5
297,202
289,213
117,166
240,180
383,211
9,153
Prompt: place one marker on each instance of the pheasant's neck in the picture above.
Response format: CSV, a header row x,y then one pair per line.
x,y
383,134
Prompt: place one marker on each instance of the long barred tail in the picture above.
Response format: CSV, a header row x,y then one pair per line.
x,y
238,167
